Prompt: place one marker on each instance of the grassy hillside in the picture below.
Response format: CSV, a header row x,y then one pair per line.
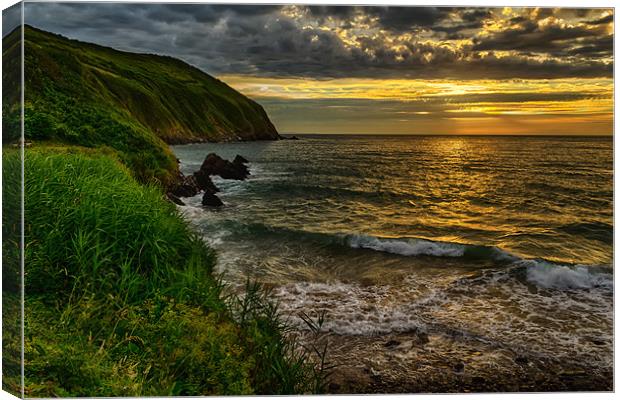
x,y
120,296
91,95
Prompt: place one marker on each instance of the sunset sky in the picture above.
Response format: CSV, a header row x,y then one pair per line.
x,y
397,70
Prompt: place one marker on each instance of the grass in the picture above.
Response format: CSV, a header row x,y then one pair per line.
x,y
120,295
88,95
11,274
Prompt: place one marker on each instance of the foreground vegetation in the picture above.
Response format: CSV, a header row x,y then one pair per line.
x,y
89,95
120,295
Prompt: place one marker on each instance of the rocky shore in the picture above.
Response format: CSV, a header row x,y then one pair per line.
x,y
417,362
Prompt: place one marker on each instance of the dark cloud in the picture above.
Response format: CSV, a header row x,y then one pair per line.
x,y
405,18
339,12
597,46
398,19
456,31
11,18
528,35
266,40
604,20
436,103
518,97
475,15
462,22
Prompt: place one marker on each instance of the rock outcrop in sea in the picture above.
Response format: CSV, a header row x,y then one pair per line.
x,y
200,181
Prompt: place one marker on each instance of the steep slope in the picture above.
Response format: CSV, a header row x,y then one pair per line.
x,y
11,87
92,95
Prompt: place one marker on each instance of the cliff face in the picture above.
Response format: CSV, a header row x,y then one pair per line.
x,y
91,95
175,101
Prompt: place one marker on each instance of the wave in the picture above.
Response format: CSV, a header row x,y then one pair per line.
x,y
540,272
404,246
555,276
543,273
412,247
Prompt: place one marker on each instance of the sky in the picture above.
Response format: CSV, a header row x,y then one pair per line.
x,y
394,70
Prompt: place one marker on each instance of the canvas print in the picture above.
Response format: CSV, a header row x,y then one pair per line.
x,y
208,199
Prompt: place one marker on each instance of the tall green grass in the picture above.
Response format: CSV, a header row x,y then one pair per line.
x,y
93,228
121,299
11,274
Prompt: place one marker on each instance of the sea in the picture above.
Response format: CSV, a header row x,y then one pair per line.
x,y
497,249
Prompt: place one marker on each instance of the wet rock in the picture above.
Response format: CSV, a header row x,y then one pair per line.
x,y
186,186
532,288
521,360
240,160
478,380
216,165
211,163
184,191
211,200
458,367
333,387
204,182
422,338
174,199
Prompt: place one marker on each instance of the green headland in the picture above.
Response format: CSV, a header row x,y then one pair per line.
x,y
93,96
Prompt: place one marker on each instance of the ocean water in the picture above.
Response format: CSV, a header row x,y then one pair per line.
x,y
503,241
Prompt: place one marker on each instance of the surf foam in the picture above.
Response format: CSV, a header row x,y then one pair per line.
x,y
554,276
413,247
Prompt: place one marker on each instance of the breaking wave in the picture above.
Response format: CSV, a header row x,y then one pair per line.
x,y
554,276
421,247
540,272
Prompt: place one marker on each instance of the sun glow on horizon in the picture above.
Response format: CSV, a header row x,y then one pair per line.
x,y
512,106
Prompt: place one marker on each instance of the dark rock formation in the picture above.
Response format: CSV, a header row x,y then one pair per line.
x,y
204,182
216,165
458,367
186,186
200,181
211,200
392,343
240,160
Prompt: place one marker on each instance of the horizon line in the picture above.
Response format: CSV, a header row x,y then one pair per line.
x,y
453,134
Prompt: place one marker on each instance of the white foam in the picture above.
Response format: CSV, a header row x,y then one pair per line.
x,y
555,276
407,247
351,309
494,309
